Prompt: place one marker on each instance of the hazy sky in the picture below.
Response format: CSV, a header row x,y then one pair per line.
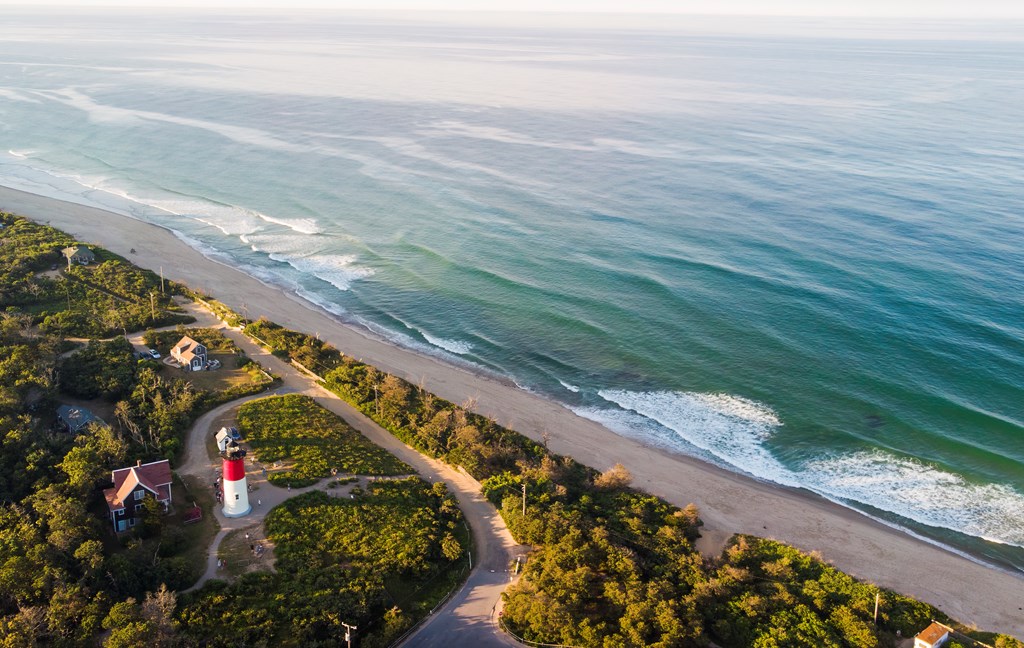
x,y
910,8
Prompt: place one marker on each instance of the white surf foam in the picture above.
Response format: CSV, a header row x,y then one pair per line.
x,y
300,225
734,430
921,492
457,347
573,388
339,270
730,428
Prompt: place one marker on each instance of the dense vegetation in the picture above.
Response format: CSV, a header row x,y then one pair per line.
x,y
64,576
377,561
312,353
104,369
310,441
100,300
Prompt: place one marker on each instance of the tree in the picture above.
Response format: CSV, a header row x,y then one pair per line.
x,y
90,461
451,548
614,478
158,609
128,628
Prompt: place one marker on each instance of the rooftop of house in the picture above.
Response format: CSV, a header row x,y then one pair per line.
x,y
932,633
77,417
77,250
154,477
186,348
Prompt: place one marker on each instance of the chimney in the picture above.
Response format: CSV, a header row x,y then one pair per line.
x,y
138,462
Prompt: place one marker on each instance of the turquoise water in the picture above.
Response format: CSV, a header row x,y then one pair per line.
x,y
794,250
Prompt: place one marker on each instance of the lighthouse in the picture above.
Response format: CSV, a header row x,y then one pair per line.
x,y
236,494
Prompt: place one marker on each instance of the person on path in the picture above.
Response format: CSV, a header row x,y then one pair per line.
x,y
259,502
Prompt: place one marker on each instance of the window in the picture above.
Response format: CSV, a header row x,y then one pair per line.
x,y
139,494
139,507
131,522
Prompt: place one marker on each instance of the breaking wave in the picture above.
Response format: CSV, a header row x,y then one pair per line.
x,y
734,431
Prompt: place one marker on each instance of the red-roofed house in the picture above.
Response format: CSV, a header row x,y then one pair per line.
x,y
131,485
932,637
191,354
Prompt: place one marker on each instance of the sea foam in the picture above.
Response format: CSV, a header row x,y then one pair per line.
x,y
733,431
458,347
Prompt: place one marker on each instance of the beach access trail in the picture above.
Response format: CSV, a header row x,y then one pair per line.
x,y
971,592
469,617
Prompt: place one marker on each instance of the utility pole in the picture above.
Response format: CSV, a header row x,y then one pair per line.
x,y
152,306
161,280
524,499
348,633
878,595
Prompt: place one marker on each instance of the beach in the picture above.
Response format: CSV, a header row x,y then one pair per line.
x,y
729,503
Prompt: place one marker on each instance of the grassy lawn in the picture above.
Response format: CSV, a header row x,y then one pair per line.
x,y
239,558
229,375
295,430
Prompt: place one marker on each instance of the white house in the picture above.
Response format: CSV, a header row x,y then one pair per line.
x,y
191,354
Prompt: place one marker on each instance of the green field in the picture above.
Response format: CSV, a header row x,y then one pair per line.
x,y
309,441
328,570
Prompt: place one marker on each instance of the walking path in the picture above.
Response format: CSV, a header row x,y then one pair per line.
x,y
470,616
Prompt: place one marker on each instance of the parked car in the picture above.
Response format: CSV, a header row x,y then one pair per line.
x,y
153,353
213,364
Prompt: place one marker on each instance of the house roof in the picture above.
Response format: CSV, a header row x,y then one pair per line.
x,y
154,477
933,633
77,418
186,348
77,250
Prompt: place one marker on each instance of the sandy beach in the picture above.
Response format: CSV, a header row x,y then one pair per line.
x,y
729,503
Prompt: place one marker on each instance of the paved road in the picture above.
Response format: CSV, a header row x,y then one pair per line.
x,y
469,617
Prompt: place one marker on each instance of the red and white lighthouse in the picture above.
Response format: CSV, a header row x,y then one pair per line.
x,y
236,493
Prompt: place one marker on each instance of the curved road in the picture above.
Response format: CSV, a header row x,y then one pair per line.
x,y
469,617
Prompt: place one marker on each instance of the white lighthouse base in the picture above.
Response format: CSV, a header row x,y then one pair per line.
x,y
236,514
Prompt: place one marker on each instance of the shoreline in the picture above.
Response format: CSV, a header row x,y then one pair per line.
x,y
729,502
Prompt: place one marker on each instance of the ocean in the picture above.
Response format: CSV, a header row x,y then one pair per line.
x,y
794,248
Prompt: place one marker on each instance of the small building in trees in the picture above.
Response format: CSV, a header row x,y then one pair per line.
x,y
78,254
75,419
126,500
191,354
933,636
